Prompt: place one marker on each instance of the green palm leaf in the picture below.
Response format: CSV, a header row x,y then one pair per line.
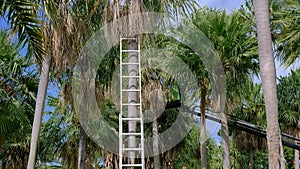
x,y
23,18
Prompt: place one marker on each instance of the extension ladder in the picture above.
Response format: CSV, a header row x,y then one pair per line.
x,y
131,143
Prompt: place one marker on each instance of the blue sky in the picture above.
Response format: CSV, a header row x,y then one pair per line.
x,y
229,5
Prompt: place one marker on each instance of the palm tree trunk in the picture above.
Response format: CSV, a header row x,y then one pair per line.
x,y
251,156
132,97
155,144
203,125
222,109
116,162
81,149
268,75
296,160
225,141
39,107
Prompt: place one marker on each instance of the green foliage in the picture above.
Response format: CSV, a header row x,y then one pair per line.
x,y
59,137
18,87
238,158
55,131
260,159
23,18
214,158
289,157
289,100
286,29
232,39
250,105
190,145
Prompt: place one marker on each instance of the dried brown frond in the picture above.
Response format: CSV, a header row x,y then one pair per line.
x,y
247,141
148,88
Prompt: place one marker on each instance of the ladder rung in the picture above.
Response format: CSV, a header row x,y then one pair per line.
x,y
132,118
131,90
130,50
132,149
130,76
128,38
131,104
132,165
130,63
131,134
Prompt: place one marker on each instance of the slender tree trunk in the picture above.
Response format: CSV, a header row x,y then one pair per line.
x,y
155,144
81,149
251,156
296,160
116,162
221,109
132,97
203,125
225,141
157,106
39,107
268,75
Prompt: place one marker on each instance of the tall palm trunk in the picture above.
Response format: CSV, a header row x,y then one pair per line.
x,y
296,158
202,124
268,75
225,141
81,149
251,158
155,144
132,96
39,107
157,106
222,109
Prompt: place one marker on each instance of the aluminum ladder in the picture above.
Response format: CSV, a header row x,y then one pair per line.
x,y
131,143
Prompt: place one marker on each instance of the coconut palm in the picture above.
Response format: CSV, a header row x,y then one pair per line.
x,y
231,37
268,74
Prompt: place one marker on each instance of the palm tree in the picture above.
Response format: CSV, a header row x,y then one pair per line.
x,y
18,89
23,20
65,36
251,109
236,50
22,16
288,101
268,74
115,10
153,95
60,136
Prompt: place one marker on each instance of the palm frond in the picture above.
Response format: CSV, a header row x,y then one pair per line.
x,y
23,18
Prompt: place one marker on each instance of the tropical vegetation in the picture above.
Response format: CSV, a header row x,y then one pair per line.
x,y
39,125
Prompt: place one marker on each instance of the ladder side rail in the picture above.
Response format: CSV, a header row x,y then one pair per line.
x,y
120,114
141,112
